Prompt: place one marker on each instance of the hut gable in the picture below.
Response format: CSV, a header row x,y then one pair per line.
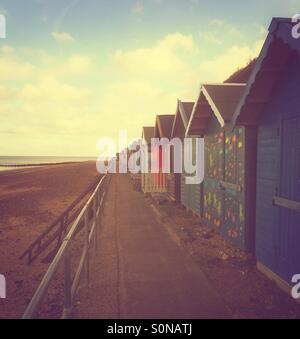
x,y
186,109
267,74
182,117
163,126
148,134
219,100
177,181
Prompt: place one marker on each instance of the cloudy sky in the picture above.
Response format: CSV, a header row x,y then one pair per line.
x,y
73,71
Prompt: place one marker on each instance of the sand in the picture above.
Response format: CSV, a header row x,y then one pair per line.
x,y
30,199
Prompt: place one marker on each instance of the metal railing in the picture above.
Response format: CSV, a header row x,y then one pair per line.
x,y
57,230
91,217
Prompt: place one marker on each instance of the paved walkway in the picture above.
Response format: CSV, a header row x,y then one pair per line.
x,y
139,272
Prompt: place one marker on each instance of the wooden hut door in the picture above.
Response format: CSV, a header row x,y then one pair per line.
x,y
234,222
214,174
288,232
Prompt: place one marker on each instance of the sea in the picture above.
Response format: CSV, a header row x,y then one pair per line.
x,y
7,162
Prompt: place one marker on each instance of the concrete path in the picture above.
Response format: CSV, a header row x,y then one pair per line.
x,y
139,272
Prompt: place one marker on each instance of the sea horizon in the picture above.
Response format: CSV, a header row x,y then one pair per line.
x,y
34,160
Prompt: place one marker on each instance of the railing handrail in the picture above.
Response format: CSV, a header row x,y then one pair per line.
x,y
63,250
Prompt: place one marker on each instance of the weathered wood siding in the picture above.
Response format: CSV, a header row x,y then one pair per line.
x,y
278,174
192,194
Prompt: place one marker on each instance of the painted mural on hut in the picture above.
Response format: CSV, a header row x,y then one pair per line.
x,y
225,165
234,218
213,206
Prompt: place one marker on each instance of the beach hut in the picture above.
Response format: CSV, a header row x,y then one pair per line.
x,y
132,150
230,158
271,102
191,194
163,182
181,120
147,179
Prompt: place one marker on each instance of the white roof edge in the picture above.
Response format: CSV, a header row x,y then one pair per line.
x,y
225,84
174,122
193,112
214,107
183,115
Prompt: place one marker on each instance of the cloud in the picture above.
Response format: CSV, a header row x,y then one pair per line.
x,y
137,7
220,67
3,11
139,97
49,89
42,101
211,37
164,56
7,93
55,104
217,22
149,80
62,37
6,49
220,32
77,64
13,68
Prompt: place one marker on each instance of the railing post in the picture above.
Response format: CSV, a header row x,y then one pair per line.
x,y
102,204
68,286
87,260
95,213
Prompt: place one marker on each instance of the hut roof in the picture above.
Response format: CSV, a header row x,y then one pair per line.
x,y
278,49
164,124
242,75
148,134
218,99
183,112
187,108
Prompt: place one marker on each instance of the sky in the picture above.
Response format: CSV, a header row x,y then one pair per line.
x,y
75,71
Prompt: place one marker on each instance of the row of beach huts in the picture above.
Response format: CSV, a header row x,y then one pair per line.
x,y
251,131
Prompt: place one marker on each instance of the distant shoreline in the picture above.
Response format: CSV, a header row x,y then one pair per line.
x,y
41,164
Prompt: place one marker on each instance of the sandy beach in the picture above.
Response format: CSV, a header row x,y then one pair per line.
x,y
30,199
